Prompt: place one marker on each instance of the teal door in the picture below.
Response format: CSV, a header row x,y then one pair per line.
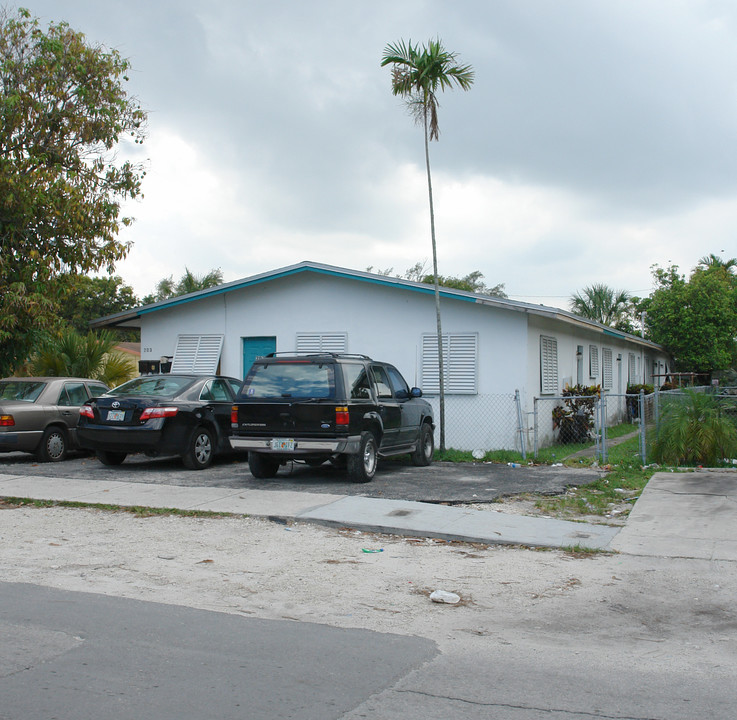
x,y
256,347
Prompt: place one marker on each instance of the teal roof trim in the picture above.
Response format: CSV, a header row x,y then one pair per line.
x,y
239,285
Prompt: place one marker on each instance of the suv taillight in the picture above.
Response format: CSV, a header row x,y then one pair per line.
x,y
234,415
341,417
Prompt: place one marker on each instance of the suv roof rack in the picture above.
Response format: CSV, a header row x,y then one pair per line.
x,y
311,353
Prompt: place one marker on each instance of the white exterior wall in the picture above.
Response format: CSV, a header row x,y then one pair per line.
x,y
387,323
568,338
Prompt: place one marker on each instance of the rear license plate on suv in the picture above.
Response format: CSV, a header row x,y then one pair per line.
x,y
116,415
282,444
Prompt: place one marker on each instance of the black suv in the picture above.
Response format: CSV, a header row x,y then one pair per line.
x,y
348,409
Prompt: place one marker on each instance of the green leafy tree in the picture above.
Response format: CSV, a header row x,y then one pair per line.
x,y
473,282
188,283
419,73
695,319
90,355
81,298
64,110
605,305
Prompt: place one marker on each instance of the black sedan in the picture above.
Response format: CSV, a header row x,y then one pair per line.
x,y
185,415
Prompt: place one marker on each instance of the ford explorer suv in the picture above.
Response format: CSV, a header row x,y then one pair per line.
x,y
314,408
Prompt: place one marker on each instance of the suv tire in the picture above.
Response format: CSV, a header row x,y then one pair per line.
x,y
108,457
422,456
262,466
362,465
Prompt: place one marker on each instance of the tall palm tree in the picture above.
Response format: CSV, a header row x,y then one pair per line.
x,y
601,303
418,74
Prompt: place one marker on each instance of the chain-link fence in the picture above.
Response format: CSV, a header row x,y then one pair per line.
x,y
483,422
501,422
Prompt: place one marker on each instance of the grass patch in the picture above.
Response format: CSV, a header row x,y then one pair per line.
x,y
137,510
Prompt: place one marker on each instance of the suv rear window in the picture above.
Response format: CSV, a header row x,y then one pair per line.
x,y
290,380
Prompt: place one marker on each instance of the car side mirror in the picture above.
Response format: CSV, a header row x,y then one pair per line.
x,y
415,392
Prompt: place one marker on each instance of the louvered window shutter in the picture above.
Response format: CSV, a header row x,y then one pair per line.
x,y
548,365
460,357
606,371
322,342
198,354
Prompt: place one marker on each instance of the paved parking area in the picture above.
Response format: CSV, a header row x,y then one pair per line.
x,y
395,479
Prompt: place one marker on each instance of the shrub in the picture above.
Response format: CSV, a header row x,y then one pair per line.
x,y
575,417
694,430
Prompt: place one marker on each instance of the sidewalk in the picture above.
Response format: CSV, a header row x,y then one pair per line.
x,y
677,515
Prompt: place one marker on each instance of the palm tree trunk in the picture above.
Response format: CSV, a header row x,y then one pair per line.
x,y
441,365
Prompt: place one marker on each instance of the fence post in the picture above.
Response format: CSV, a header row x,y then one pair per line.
x,y
656,403
534,435
520,427
604,421
597,428
643,450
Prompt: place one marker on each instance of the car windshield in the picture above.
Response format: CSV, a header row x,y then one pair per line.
x,y
153,385
290,380
25,391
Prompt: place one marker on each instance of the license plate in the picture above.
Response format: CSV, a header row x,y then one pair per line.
x,y
282,444
116,415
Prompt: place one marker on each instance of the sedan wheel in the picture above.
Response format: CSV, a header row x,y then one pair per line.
x,y
200,451
53,445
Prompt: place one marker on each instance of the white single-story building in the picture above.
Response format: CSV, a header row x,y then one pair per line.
x,y
494,347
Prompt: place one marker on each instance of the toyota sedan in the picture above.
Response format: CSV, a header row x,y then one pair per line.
x,y
184,415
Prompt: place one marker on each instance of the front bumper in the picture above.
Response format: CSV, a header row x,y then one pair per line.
x,y
302,446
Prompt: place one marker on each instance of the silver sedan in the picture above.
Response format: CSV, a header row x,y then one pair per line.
x,y
39,414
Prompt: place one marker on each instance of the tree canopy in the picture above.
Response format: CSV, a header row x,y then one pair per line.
x,y
82,298
188,283
694,319
64,113
605,305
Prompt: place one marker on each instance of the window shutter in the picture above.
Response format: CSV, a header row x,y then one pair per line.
x,y
548,365
606,373
198,354
322,342
593,361
460,358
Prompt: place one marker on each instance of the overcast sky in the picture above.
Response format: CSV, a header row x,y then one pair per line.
x,y
599,137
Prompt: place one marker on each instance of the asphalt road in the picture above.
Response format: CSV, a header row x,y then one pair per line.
x,y
396,479
79,656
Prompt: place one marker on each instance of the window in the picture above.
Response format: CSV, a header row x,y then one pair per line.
x,y
548,365
198,354
606,371
460,361
356,381
383,388
322,342
73,394
593,361
399,384
631,368
215,391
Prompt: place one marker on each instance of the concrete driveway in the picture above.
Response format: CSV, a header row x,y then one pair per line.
x,y
395,479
